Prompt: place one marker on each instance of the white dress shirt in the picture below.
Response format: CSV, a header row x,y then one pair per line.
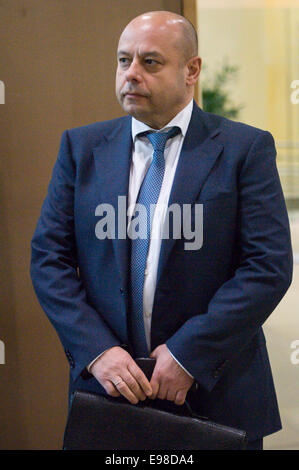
x,y
141,160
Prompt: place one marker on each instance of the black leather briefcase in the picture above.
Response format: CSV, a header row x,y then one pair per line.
x,y
96,422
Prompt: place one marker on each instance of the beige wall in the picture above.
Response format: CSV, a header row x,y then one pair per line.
x,y
57,63
261,38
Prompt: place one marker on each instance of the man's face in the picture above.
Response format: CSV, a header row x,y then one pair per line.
x,y
151,72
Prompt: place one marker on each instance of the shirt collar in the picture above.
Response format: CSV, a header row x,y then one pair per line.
x,y
181,120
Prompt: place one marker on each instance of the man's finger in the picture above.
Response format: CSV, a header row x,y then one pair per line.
x,y
110,389
133,385
162,394
180,397
155,389
171,394
140,378
124,390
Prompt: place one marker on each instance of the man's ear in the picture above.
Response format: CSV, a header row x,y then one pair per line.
x,y
193,70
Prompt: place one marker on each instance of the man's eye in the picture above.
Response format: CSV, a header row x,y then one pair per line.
x,y
150,62
123,60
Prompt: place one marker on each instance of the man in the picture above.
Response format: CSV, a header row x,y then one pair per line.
x,y
202,309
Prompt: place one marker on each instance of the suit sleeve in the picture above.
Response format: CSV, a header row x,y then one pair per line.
x,y
54,271
206,344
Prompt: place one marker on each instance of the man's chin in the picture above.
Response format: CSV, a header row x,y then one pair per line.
x,y
135,110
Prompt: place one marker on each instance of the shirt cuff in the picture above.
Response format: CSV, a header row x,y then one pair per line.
x,y
92,362
180,364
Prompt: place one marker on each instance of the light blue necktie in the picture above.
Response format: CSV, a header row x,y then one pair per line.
x,y
148,194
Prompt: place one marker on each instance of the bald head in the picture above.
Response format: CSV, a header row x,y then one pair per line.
x,y
158,67
181,30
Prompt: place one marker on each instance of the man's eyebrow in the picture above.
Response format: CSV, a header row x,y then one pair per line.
x,y
122,53
143,54
151,53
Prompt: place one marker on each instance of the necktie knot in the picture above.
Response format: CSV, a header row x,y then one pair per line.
x,y
159,139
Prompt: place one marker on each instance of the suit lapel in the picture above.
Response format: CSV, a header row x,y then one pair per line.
x,y
112,161
198,155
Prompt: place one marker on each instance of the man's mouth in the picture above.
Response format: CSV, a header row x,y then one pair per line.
x,y
132,94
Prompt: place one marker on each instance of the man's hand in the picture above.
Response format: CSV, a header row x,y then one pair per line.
x,y
169,381
118,373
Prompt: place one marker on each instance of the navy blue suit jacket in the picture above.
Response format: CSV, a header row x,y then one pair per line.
x,y
209,303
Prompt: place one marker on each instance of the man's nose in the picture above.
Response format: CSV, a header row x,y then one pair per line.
x,y
133,73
